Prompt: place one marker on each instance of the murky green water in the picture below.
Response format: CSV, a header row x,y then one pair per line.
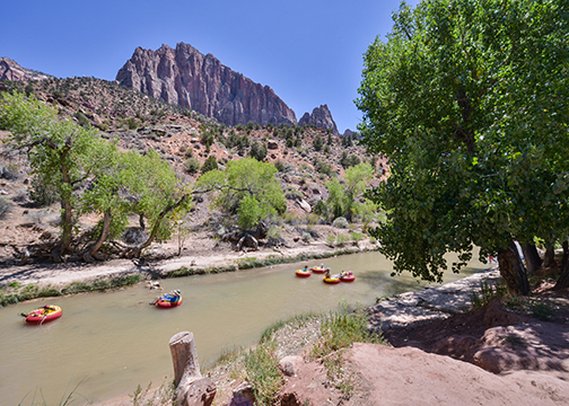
x,y
108,343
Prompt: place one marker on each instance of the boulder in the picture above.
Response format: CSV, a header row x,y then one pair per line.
x,y
201,392
243,395
272,144
289,364
340,222
304,205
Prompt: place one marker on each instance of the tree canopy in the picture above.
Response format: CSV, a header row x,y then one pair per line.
x,y
89,174
247,189
468,100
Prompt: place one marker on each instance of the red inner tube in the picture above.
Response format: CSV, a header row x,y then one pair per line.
x,y
38,316
166,304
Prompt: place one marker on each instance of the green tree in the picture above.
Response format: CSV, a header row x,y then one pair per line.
x,y
156,194
247,190
318,143
347,200
61,153
258,151
210,164
467,99
207,135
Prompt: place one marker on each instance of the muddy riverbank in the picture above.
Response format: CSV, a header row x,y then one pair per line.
x,y
24,282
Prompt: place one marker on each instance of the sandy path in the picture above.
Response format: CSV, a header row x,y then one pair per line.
x,y
64,274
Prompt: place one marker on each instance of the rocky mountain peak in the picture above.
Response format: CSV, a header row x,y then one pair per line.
x,y
11,70
321,117
185,77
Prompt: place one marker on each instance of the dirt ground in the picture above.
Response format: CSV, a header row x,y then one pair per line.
x,y
490,356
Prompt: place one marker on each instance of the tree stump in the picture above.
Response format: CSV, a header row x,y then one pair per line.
x,y
191,388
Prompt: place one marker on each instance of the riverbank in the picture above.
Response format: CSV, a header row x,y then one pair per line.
x,y
456,343
25,282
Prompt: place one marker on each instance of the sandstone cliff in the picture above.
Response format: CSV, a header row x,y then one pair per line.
x,y
10,70
321,117
185,77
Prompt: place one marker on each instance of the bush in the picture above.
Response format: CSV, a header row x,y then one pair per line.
x,y
210,164
318,143
258,151
349,160
207,136
341,330
192,165
343,239
4,207
324,168
262,369
282,166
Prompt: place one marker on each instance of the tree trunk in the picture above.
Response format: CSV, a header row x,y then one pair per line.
x,y
66,211
184,356
66,195
104,234
513,270
563,280
533,261
549,258
135,252
191,388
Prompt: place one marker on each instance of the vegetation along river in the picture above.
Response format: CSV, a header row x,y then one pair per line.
x,y
109,343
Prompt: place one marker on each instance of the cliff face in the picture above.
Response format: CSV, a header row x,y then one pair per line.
x,y
321,117
10,70
185,77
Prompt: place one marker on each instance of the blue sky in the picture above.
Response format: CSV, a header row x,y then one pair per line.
x,y
309,52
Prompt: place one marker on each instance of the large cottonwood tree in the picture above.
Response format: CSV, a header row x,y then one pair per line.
x,y
468,100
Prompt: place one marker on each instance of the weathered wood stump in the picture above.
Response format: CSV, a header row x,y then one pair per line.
x,y
191,388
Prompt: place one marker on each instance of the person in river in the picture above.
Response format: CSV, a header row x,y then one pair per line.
x,y
175,296
327,274
305,269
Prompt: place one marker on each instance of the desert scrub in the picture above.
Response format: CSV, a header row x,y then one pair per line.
x,y
262,371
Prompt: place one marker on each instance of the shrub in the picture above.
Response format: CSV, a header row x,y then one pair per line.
x,y
192,165
324,168
262,369
341,330
282,166
207,136
4,207
318,143
349,160
258,151
343,239
210,164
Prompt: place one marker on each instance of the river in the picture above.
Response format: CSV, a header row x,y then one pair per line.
x,y
108,343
